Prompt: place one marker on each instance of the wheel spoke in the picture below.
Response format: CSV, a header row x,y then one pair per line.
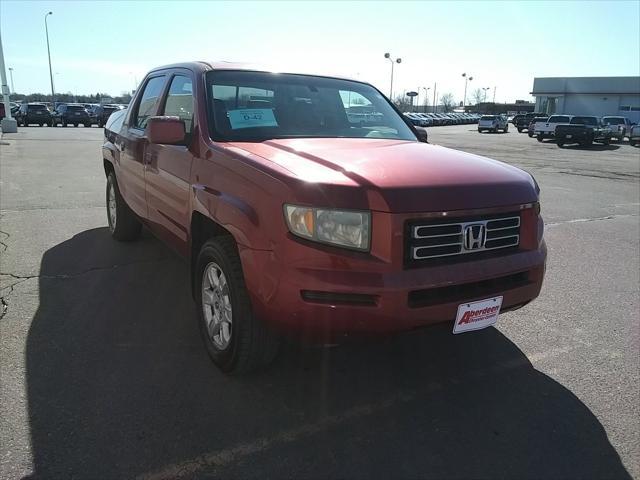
x,y
207,297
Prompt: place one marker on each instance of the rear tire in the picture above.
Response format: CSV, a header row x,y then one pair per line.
x,y
530,133
506,129
560,144
123,224
540,138
250,345
519,130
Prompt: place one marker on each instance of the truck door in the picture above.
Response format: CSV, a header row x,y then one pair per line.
x,y
133,145
168,168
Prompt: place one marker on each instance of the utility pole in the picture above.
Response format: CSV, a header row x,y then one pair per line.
x,y
494,94
8,124
435,105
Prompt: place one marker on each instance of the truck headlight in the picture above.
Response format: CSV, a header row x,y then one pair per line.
x,y
343,228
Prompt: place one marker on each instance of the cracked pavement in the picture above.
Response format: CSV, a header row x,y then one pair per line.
x,y
103,375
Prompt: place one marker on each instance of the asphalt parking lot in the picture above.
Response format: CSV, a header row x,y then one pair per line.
x,y
103,374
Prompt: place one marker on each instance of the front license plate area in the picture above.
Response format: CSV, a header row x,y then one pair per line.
x,y
477,315
569,136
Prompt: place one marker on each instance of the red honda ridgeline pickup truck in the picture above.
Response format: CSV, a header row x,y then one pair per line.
x,y
297,219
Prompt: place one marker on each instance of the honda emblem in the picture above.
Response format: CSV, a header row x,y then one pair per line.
x,y
475,236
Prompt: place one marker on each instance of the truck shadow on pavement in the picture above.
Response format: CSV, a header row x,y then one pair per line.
x,y
119,386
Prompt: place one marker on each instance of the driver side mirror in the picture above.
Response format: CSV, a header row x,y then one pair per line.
x,y
422,134
166,130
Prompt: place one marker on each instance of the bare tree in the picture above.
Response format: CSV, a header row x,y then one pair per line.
x,y
477,96
403,103
447,102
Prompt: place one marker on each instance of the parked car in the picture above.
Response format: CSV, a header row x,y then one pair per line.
x,y
547,129
634,135
426,118
583,130
532,125
71,113
295,222
522,122
493,123
101,113
30,113
416,120
620,126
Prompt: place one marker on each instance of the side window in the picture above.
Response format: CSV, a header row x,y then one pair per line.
x,y
148,101
180,101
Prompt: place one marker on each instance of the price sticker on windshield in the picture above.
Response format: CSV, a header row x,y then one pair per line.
x,y
251,118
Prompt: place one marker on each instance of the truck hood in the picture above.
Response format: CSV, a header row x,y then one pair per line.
x,y
396,175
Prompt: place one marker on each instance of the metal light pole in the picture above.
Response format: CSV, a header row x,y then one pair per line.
x,y
8,124
484,98
46,30
13,90
494,94
466,79
397,60
426,97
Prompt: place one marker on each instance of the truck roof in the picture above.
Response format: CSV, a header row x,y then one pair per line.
x,y
205,66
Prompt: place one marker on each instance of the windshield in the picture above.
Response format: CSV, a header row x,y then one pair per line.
x,y
255,106
36,107
488,117
539,119
584,120
75,108
559,119
614,120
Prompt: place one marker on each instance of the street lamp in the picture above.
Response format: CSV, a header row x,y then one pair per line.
x,y
484,98
46,29
13,90
467,78
397,60
426,97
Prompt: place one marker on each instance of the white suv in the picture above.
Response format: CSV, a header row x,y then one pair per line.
x,y
493,123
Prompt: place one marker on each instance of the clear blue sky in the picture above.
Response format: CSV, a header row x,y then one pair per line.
x,y
106,46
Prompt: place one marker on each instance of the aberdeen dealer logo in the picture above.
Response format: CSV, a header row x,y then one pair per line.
x,y
475,236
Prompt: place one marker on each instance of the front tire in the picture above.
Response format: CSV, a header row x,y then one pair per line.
x,y
519,130
530,133
540,138
123,224
235,339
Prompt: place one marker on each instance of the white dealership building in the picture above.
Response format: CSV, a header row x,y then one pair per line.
x,y
598,96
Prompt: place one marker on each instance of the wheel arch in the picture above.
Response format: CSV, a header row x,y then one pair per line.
x,y
202,228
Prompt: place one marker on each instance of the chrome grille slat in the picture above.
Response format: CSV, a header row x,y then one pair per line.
x,y
506,228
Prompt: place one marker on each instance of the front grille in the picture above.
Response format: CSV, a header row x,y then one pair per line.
x,y
429,239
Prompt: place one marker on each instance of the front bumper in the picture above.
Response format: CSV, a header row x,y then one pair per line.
x,y
323,295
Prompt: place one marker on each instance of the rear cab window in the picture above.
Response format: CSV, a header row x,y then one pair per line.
x,y
559,119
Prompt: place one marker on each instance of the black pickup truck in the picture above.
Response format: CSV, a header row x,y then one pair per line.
x,y
584,131
521,122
